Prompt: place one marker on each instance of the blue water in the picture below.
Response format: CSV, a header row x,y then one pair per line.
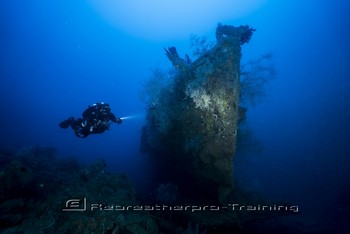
x,y
58,57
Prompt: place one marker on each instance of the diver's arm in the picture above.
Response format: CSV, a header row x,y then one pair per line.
x,y
114,119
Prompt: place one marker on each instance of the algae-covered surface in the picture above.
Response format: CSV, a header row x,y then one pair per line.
x,y
37,191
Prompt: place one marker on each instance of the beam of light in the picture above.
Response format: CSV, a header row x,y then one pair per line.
x,y
136,116
171,19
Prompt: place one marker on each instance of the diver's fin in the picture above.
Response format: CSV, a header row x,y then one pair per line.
x,y
66,123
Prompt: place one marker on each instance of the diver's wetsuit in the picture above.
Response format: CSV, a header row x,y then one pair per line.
x,y
95,119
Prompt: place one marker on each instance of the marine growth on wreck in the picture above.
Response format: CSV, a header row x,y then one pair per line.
x,y
191,126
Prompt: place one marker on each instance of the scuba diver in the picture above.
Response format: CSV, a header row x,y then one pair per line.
x,y
95,119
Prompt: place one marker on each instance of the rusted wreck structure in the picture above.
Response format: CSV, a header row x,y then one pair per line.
x,y
191,128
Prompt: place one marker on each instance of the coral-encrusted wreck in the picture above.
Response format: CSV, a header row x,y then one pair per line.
x,y
191,129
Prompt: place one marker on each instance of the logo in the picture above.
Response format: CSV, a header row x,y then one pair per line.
x,y
81,205
75,205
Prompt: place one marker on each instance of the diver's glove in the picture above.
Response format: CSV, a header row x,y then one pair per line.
x,y
119,121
